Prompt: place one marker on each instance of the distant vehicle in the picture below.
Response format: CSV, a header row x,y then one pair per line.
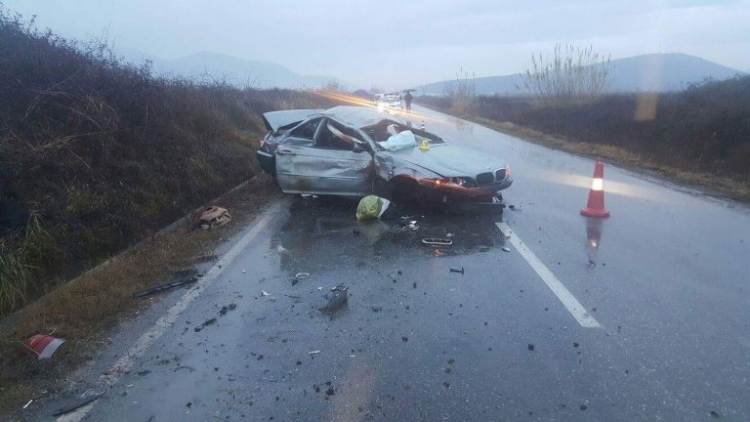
x,y
356,151
388,102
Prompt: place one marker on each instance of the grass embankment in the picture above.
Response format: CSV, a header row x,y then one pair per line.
x,y
96,155
698,137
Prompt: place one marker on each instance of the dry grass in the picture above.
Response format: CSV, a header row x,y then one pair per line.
x,y
80,311
734,188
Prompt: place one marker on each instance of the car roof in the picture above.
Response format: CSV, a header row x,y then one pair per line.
x,y
359,117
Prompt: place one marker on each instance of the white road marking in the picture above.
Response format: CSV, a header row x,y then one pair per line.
x,y
148,338
568,300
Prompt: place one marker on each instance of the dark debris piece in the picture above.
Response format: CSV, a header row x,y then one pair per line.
x,y
73,405
531,347
335,299
166,286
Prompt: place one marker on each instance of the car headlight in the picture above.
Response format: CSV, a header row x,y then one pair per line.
x,y
446,182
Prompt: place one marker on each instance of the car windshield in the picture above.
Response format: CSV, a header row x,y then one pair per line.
x,y
273,211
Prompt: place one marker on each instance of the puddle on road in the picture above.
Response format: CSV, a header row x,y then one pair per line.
x,y
320,231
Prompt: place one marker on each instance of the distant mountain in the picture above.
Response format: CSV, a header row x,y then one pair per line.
x,y
650,72
234,70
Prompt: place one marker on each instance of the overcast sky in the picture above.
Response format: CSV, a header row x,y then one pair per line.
x,y
398,43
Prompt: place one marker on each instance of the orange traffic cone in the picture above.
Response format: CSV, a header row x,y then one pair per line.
x,y
595,206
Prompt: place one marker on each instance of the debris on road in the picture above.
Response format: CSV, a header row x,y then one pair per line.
x,y
461,271
371,206
214,216
187,279
44,345
281,249
74,404
225,309
514,208
27,404
184,367
335,299
506,249
314,352
264,293
530,347
436,241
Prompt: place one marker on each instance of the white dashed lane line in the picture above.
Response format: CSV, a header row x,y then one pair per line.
x,y
568,300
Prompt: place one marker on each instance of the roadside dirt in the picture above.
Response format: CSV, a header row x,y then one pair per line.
x,y
712,185
84,310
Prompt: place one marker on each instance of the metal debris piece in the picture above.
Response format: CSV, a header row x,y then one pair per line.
x,y
453,270
214,216
74,404
314,352
184,367
27,404
264,293
166,286
436,241
335,299
506,249
302,276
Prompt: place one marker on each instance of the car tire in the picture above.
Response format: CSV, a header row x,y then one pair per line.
x,y
403,190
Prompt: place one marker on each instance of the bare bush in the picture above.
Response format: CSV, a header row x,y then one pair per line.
x,y
572,75
462,93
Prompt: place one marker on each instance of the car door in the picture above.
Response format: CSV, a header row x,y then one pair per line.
x,y
337,162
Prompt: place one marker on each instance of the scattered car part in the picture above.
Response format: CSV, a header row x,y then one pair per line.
x,y
214,216
436,241
44,345
506,249
453,270
74,404
335,299
166,286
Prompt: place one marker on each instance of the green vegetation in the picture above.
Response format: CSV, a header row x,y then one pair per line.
x,y
699,136
96,154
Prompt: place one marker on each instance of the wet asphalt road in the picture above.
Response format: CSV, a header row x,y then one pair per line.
x,y
667,282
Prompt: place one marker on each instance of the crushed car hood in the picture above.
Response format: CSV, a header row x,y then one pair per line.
x,y
447,161
277,119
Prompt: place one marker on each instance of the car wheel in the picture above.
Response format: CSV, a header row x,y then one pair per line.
x,y
403,190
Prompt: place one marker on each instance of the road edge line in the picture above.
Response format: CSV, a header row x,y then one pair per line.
x,y
147,339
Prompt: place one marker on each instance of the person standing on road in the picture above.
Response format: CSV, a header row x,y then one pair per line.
x,y
407,100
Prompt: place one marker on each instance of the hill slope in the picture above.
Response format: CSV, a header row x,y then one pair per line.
x,y
650,72
240,72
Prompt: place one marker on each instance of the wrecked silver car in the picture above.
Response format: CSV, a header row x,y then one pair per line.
x,y
357,151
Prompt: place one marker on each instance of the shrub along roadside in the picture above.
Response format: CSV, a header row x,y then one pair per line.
x,y
699,136
96,154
